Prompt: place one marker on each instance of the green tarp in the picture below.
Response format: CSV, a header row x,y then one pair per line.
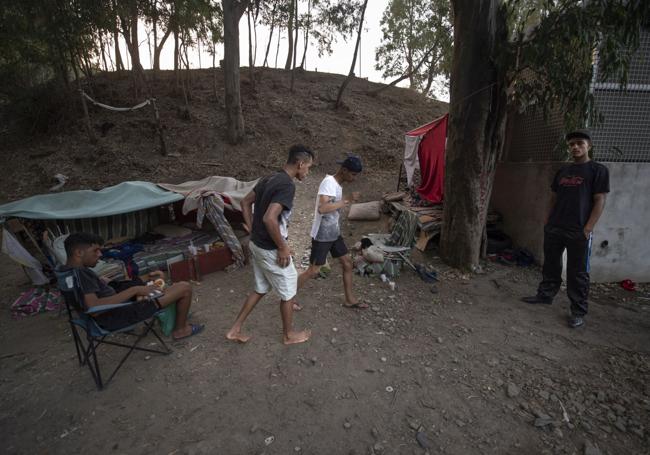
x,y
70,205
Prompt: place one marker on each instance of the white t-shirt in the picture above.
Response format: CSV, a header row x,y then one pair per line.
x,y
326,226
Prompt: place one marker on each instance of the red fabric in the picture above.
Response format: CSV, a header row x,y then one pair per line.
x,y
431,154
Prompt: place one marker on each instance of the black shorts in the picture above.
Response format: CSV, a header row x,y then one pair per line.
x,y
319,250
128,315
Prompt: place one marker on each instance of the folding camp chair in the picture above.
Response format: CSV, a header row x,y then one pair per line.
x,y
81,319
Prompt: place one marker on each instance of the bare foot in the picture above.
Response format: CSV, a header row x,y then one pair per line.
x,y
296,307
237,336
297,337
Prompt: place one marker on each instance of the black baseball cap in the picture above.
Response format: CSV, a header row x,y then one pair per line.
x,y
578,134
352,163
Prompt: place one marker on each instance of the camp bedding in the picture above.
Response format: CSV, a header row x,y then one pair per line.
x,y
123,225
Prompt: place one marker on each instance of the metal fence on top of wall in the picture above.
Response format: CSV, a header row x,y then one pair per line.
x,y
623,135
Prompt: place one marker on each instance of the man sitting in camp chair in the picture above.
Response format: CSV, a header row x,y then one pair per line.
x,y
84,250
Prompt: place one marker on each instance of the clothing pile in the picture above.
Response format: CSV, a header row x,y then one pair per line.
x,y
34,301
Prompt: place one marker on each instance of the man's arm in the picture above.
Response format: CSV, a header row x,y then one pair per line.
x,y
91,300
325,206
596,211
247,211
273,227
552,206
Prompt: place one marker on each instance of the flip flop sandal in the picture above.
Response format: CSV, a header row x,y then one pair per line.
x,y
196,329
357,306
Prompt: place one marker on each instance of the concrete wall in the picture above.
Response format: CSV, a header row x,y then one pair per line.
x,y
522,195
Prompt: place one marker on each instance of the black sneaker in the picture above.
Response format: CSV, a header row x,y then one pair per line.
x,y
576,321
537,299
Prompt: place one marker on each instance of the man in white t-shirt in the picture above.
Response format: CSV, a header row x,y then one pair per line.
x,y
326,231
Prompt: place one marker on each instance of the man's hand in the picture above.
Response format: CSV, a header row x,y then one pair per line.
x,y
156,274
284,256
247,228
356,196
587,231
144,291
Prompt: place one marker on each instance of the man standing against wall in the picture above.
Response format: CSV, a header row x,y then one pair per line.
x,y
578,200
270,253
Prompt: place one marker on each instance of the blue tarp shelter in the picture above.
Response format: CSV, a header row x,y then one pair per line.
x,y
123,198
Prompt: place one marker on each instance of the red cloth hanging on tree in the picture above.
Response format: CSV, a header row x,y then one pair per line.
x,y
431,155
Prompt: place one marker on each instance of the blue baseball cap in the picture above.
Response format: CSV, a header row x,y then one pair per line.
x,y
352,163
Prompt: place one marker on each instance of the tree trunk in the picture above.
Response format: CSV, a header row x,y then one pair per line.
x,y
477,117
277,48
268,46
287,64
102,46
158,49
119,65
307,29
232,13
176,57
295,52
354,59
130,33
251,63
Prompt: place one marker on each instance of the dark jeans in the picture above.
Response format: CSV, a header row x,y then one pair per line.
x,y
578,248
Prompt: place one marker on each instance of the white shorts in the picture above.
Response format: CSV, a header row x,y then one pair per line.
x,y
269,275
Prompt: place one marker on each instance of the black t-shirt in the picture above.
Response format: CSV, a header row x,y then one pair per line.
x,y
278,187
90,283
575,186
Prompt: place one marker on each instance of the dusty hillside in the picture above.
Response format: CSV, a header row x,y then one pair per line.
x,y
275,119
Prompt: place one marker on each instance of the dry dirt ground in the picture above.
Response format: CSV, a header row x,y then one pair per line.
x,y
467,369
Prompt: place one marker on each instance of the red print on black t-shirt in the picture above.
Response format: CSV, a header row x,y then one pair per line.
x,y
571,180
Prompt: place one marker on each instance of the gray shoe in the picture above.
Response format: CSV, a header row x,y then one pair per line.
x,y
537,299
576,321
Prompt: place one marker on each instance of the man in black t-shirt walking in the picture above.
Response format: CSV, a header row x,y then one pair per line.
x,y
578,200
270,253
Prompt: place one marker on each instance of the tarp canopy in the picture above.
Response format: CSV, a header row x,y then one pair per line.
x,y
123,198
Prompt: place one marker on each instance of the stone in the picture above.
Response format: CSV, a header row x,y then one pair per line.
x,y
347,425
541,422
439,340
512,390
591,449
544,394
620,424
375,433
493,362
